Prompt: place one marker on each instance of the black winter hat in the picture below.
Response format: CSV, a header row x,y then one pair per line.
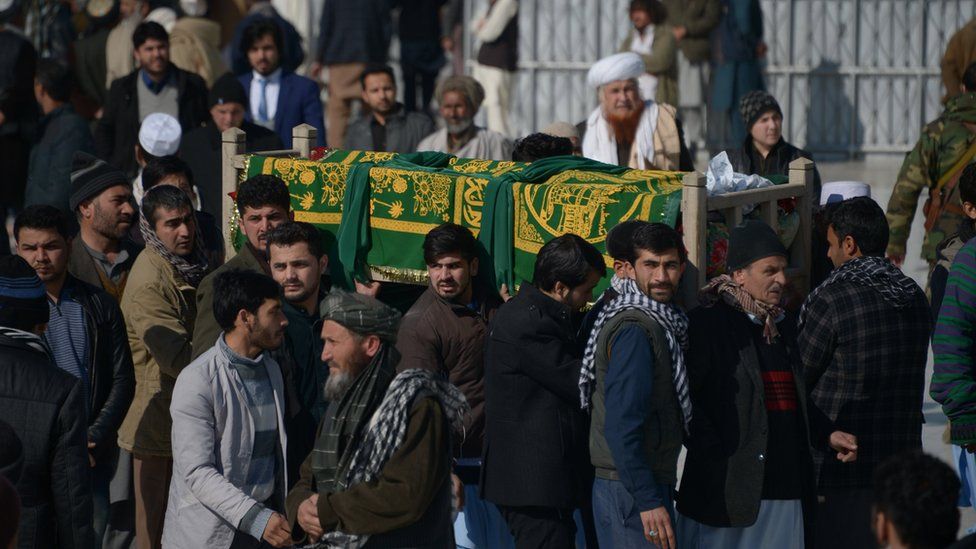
x,y
227,89
90,176
23,299
751,241
755,104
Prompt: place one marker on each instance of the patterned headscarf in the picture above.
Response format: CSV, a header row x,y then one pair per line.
x,y
192,268
361,314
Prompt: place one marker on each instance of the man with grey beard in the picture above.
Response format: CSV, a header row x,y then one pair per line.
x,y
381,467
460,98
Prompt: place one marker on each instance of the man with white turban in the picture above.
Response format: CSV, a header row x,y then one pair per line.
x,y
627,130
459,98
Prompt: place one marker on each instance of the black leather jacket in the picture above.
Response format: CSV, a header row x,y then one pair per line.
x,y
110,372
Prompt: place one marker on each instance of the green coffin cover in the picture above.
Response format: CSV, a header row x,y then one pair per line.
x,y
391,201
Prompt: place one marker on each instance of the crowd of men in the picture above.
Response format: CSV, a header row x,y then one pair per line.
x,y
153,394
251,405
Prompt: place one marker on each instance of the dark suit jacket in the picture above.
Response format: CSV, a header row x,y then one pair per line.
x,y
536,435
298,103
45,406
118,131
200,148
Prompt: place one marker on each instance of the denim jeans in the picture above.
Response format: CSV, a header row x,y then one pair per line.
x,y
617,517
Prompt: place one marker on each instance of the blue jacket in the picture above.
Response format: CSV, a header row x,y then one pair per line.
x,y
298,103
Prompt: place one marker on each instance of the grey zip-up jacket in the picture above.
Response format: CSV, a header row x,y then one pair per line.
x,y
213,437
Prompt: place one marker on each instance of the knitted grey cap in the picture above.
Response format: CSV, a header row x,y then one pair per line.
x,y
90,176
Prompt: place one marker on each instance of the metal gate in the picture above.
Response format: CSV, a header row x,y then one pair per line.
x,y
852,76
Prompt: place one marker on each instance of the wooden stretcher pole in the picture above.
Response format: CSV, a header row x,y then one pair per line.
x,y
303,138
801,171
232,144
694,216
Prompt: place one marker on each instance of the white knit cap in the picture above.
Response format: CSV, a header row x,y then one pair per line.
x,y
619,66
194,8
838,191
164,16
160,134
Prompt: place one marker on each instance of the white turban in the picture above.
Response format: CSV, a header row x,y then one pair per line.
x,y
619,66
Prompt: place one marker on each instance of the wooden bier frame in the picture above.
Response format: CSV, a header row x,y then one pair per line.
x,y
695,205
233,148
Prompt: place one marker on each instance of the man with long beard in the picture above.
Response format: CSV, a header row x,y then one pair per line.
x,y
626,129
459,98
380,470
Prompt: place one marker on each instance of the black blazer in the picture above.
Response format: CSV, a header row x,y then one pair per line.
x,y
536,440
118,131
45,407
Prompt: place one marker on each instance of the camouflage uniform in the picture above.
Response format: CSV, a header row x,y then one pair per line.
x,y
942,143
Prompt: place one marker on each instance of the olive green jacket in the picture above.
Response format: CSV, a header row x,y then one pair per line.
x,y
699,18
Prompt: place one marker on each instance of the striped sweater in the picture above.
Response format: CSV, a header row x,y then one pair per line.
x,y
954,345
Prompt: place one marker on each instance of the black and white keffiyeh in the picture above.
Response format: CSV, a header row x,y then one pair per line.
x,y
191,269
873,272
670,317
387,429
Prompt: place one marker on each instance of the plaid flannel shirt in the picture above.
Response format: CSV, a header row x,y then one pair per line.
x,y
864,364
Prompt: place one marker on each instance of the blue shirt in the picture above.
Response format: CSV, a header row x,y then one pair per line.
x,y
67,336
628,383
154,86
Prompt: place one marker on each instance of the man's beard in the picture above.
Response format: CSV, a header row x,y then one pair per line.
x,y
109,228
337,385
625,125
460,127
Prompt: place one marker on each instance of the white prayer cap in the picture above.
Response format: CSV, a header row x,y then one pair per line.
x,y
619,66
164,16
8,8
838,191
194,8
160,134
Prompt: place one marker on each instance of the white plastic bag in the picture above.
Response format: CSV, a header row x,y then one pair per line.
x,y
721,179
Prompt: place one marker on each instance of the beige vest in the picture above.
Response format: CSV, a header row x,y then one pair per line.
x,y
667,142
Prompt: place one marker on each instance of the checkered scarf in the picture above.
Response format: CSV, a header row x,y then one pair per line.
x,y
671,318
874,272
347,420
191,269
386,431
